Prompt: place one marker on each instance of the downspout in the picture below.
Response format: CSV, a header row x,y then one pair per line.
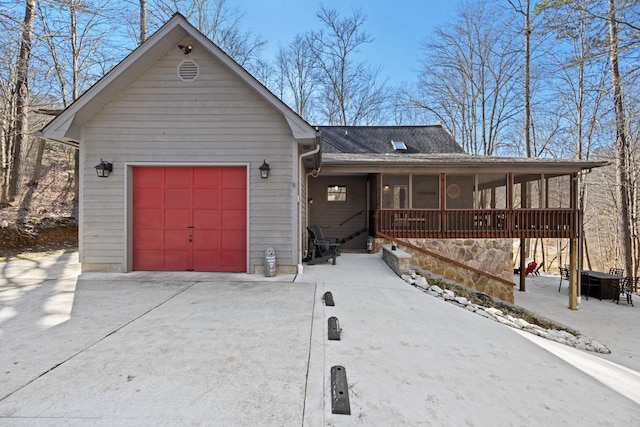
x,y
300,201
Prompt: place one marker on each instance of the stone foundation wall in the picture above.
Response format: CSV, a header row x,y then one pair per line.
x,y
490,255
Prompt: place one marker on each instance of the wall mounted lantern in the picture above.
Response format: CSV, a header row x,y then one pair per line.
x,y
104,169
264,170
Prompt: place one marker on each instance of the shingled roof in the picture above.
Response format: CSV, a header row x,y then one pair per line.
x,y
377,139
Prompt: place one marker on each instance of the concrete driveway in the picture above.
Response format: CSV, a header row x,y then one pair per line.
x,y
241,350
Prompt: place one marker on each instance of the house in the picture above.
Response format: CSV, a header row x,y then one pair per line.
x,y
207,169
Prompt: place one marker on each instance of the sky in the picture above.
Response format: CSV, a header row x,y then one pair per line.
x,y
398,27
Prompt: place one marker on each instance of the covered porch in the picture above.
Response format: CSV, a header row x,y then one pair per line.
x,y
439,197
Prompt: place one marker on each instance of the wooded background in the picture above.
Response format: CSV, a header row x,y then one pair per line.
x,y
523,78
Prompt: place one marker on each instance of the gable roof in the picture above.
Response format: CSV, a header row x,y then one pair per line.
x,y
67,126
432,139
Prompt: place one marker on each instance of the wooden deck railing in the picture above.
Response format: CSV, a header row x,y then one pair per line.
x,y
516,223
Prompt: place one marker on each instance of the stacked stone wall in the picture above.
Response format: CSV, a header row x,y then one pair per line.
x,y
399,261
492,256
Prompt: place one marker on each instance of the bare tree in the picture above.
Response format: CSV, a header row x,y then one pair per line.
x,y
299,75
622,145
579,68
82,46
21,93
350,91
468,78
523,7
223,26
9,38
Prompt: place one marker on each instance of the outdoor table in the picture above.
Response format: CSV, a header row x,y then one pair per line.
x,y
608,283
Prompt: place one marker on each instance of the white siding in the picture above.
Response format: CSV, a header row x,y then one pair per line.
x,y
214,120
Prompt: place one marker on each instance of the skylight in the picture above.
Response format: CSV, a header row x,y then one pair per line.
x,y
398,145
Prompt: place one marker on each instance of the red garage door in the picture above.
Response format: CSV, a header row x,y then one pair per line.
x,y
189,218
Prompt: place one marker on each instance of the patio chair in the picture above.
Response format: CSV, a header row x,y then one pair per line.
x,y
626,287
590,282
564,275
321,249
616,271
531,269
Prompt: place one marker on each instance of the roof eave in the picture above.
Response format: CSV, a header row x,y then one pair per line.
x,y
525,165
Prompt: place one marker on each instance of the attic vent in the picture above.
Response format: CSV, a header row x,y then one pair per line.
x,y
188,70
398,145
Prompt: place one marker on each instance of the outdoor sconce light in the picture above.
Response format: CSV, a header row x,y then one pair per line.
x,y
264,170
104,169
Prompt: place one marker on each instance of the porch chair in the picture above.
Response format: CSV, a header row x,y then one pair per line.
x,y
564,275
626,287
321,249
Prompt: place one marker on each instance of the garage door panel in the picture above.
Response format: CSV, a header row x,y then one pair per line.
x,y
177,239
177,218
148,238
177,197
148,177
151,198
232,261
148,218
178,177
149,259
234,177
234,198
233,240
206,178
206,260
206,219
176,260
206,239
234,219
206,198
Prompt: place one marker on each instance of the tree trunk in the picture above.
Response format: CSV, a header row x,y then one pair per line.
x,y
527,78
75,90
143,20
22,97
586,253
624,226
37,167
